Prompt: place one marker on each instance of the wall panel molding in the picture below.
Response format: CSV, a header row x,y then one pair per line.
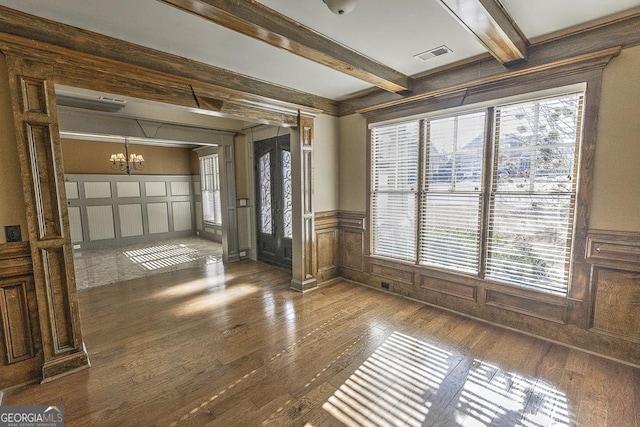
x,y
613,298
615,279
327,248
20,340
142,208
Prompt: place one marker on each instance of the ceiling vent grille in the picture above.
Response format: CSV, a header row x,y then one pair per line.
x,y
430,54
102,103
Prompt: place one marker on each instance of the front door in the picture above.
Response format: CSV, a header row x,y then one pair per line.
x,y
273,200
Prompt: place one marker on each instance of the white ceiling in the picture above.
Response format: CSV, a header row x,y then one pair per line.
x,y
391,32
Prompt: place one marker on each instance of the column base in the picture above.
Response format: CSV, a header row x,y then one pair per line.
x,y
305,285
64,365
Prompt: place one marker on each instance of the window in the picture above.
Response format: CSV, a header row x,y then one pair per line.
x,y
210,183
394,188
496,192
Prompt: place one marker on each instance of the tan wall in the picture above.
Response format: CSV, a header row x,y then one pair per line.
x,y
616,175
240,145
93,157
12,207
194,161
326,163
616,197
353,163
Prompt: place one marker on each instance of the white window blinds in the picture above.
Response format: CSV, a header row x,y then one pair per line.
x,y
394,190
210,184
451,203
512,224
533,192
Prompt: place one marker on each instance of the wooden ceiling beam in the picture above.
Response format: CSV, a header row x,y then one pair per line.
x,y
87,44
490,23
71,68
585,40
262,23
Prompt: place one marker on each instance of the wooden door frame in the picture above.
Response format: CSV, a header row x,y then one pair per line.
x,y
67,67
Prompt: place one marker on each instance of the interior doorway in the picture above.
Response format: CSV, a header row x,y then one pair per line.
x,y
274,200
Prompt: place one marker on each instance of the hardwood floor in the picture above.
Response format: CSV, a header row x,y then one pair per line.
x,y
231,345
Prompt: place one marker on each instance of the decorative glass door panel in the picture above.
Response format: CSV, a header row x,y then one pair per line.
x,y
274,200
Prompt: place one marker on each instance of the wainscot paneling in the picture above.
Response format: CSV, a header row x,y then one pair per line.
x,y
326,226
20,342
391,273
131,220
109,210
351,236
606,321
615,279
527,306
100,221
447,287
158,215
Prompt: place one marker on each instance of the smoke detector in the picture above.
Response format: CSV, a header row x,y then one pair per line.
x,y
340,7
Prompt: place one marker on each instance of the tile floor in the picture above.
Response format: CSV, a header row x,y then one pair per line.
x,y
98,267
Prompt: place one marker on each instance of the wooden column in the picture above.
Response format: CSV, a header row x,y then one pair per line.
x,y
304,254
38,139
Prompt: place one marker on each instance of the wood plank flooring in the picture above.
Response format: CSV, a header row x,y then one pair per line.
x,y
231,345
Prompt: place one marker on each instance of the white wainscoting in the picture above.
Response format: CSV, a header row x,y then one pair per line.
x,y
107,210
101,223
158,218
182,219
131,220
97,190
128,189
180,188
75,223
155,189
199,218
71,188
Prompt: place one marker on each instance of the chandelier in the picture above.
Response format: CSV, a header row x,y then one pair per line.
x,y
126,162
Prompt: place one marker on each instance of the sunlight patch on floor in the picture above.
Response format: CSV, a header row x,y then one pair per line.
x,y
396,384
192,287
154,257
389,388
216,299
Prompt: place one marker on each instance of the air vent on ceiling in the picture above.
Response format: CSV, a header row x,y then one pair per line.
x,y
102,103
438,51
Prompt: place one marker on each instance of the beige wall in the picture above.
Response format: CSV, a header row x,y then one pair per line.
x,y
616,175
12,208
325,163
240,146
353,163
93,157
616,197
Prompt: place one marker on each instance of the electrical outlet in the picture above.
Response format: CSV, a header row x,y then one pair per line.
x,y
12,233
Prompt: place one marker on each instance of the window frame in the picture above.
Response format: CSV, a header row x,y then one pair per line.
x,y
216,196
589,85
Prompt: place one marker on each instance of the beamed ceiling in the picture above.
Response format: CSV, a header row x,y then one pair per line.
x,y
291,54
